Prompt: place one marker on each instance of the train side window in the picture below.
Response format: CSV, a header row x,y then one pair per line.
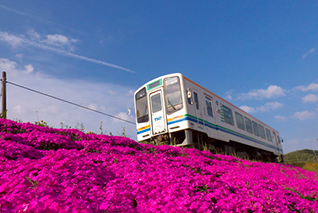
x,y
248,125
255,128
239,121
209,106
196,100
268,134
142,106
261,129
228,117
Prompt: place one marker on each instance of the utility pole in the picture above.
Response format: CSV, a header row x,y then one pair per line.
x,y
4,95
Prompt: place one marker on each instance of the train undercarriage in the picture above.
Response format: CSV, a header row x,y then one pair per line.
x,y
201,141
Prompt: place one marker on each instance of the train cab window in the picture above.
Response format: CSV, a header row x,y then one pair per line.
x,y
141,106
209,106
173,94
196,100
268,134
239,121
277,141
228,117
261,130
255,128
248,125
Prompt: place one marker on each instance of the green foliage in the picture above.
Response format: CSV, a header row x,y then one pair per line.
x,y
206,147
307,166
41,123
305,159
34,183
151,151
101,128
49,146
65,126
204,188
80,127
308,197
94,151
18,120
301,156
123,133
3,114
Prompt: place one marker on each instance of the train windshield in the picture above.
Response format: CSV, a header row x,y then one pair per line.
x,y
173,94
141,106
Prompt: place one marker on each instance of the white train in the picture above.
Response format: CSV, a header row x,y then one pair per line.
x,y
174,110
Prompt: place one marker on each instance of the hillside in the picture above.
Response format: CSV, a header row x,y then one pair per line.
x,y
64,170
301,156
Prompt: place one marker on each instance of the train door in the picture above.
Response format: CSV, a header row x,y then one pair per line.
x,y
157,112
277,142
198,112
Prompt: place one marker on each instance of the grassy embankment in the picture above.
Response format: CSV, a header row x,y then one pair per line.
x,y
305,159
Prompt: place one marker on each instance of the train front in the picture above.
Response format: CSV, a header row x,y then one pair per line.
x,y
157,103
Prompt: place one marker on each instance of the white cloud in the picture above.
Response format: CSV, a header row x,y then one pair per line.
x,y
11,39
34,34
38,18
19,109
7,65
125,116
58,40
11,10
52,110
248,109
310,98
271,92
28,106
92,106
267,107
270,106
130,93
309,52
304,115
56,44
280,118
229,97
28,69
310,87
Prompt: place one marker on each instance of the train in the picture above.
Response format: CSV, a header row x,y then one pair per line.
x,y
174,110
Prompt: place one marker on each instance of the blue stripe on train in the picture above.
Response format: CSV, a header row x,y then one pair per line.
x,y
217,128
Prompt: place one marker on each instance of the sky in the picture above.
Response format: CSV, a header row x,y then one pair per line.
x,y
262,56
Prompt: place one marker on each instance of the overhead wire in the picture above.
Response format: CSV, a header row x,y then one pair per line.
x,y
69,102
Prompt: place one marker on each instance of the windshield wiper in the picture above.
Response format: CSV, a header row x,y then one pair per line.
x,y
169,102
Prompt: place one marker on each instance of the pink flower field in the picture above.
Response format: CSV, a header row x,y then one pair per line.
x,y
64,170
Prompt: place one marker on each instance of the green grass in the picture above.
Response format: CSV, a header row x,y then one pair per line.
x,y
307,166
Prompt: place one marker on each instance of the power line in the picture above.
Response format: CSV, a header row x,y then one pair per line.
x,y
69,102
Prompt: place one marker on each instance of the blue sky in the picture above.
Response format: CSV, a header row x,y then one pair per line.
x,y
259,55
